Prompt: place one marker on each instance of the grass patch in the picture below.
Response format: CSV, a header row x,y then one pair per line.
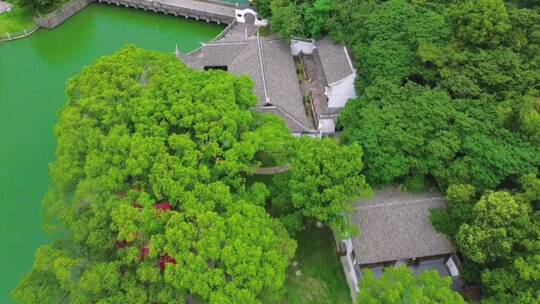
x,y
322,280
19,19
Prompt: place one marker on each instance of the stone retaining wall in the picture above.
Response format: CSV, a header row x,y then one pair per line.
x,y
55,18
167,9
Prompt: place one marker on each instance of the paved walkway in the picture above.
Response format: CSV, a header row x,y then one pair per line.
x,y
317,86
198,9
271,170
5,7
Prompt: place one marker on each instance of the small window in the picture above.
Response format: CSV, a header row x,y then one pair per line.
x,y
239,15
216,67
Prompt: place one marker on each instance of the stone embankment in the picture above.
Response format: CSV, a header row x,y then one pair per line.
x,y
197,9
55,18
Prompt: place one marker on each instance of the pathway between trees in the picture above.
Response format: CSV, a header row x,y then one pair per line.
x,y
272,170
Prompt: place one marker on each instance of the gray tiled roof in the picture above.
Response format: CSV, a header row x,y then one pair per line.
x,y
282,81
334,60
395,225
244,58
294,125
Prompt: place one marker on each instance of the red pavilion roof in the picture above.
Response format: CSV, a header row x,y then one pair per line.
x,y
165,206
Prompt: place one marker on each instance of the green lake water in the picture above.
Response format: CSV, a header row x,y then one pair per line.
x,y
33,74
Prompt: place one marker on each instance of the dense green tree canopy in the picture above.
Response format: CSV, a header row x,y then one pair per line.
x,y
449,91
149,189
500,235
399,285
411,132
479,22
322,183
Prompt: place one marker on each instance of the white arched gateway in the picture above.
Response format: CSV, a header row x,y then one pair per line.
x,y
249,16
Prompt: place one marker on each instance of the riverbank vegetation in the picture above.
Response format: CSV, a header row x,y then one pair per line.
x,y
43,6
150,189
449,94
19,19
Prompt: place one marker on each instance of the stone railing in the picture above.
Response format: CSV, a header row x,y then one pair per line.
x,y
231,4
55,18
176,10
18,35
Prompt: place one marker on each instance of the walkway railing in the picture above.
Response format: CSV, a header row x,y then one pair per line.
x,y
17,35
219,36
232,4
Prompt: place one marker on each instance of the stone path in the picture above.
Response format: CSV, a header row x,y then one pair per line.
x,y
271,170
317,84
5,7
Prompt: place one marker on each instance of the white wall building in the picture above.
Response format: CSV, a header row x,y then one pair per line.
x,y
339,72
249,16
337,75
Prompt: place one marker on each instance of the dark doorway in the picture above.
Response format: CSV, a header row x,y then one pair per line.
x,y
216,67
250,18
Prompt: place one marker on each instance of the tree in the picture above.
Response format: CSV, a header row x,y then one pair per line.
x,y
500,238
461,200
411,132
497,224
287,19
324,179
504,238
399,285
480,23
149,189
448,92
264,7
42,5
317,16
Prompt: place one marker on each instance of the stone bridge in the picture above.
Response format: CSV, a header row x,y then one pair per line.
x,y
207,10
196,9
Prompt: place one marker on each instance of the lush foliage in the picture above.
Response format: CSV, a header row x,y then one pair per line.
x,y
42,5
399,285
149,190
412,132
154,195
435,105
449,91
323,181
500,236
18,20
317,276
